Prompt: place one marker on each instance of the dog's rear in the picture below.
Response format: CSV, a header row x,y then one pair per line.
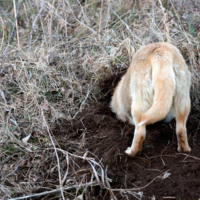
x,y
156,85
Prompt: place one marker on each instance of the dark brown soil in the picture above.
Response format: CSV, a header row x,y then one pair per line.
x,y
107,138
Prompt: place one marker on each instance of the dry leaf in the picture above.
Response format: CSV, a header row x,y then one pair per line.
x,y
25,140
45,105
16,133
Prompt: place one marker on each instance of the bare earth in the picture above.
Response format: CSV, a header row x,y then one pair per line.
x,y
159,170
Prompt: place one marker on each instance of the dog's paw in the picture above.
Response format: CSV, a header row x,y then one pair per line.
x,y
184,150
130,153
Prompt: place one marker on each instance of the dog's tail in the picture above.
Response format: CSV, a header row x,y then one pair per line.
x,y
163,79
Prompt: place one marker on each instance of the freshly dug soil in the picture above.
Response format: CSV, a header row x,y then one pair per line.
x,y
107,138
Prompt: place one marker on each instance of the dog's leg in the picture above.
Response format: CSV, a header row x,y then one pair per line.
x,y
181,131
139,136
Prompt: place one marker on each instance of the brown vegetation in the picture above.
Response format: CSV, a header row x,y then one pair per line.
x,y
53,58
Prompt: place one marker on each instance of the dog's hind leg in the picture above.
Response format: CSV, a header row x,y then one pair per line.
x,y
139,135
181,132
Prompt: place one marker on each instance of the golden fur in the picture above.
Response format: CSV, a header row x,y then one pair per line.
x,y
156,86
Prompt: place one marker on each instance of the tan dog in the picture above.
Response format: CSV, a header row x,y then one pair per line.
x,y
156,86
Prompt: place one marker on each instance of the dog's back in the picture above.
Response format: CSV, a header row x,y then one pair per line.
x,y
137,86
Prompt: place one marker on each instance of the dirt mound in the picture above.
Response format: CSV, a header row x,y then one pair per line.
x,y
159,170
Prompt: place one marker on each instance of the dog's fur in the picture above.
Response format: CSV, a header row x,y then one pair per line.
x,y
155,87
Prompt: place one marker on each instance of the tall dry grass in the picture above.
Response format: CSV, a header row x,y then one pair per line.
x,y
53,54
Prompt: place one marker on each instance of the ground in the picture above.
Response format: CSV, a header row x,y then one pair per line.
x,y
60,61
159,171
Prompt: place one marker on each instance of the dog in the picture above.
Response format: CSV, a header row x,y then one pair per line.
x,y
155,87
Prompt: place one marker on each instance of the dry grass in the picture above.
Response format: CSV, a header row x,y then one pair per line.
x,y
50,68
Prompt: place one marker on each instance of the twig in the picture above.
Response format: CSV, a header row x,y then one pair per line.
x,y
50,30
34,22
90,161
182,29
189,156
89,90
166,25
66,173
133,189
84,16
3,30
92,164
123,22
10,35
59,174
54,191
15,13
119,17
26,14
164,148
100,22
49,9
153,11
107,181
162,156
79,20
42,24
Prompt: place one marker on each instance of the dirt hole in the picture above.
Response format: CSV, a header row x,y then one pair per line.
x,y
106,138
